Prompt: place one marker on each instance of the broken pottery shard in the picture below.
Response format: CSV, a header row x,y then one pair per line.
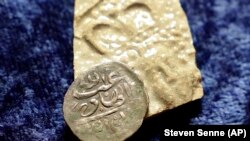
x,y
151,37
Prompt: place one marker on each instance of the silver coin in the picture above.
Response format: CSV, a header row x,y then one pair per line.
x,y
107,103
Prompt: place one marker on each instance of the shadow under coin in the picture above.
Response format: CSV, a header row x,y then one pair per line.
x,y
69,135
153,127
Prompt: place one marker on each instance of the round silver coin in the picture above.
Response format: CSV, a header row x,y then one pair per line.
x,y
105,103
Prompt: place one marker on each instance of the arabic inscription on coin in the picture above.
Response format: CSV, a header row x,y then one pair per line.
x,y
107,102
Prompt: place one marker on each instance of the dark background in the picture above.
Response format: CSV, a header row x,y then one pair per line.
x,y
36,68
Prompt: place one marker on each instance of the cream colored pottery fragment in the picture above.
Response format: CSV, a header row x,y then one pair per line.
x,y
151,37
